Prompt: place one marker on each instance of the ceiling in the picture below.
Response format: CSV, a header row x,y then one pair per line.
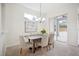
x,y
50,7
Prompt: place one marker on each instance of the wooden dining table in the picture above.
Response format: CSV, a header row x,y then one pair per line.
x,y
34,39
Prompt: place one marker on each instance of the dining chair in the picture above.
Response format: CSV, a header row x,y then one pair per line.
x,y
51,40
24,44
44,42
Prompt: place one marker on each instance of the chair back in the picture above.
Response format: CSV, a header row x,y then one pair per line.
x,y
44,40
51,38
22,40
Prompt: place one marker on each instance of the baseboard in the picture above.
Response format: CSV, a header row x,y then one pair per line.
x,y
10,45
71,44
75,45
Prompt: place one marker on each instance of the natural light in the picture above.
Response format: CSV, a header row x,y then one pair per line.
x,y
33,18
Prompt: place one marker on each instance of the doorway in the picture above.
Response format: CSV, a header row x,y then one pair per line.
x,y
60,28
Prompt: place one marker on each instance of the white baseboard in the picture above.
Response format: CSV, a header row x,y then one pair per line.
x,y
73,44
10,45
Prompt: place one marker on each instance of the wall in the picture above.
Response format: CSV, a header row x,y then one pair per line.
x,y
0,33
0,18
78,25
2,37
72,27
14,22
71,12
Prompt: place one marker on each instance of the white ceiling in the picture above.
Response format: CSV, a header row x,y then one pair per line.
x,y
33,6
47,6
50,7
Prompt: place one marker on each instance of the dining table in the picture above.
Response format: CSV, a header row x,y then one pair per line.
x,y
34,39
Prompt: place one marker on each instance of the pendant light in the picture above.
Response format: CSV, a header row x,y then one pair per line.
x,y
40,13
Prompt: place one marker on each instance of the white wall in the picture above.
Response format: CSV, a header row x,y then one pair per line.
x,y
51,25
72,27
71,12
0,33
78,26
0,18
14,22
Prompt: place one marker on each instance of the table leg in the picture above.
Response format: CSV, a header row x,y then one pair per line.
x,y
33,47
29,40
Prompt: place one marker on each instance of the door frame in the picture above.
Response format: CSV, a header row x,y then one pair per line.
x,y
57,27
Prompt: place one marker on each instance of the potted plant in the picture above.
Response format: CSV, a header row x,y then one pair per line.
x,y
43,31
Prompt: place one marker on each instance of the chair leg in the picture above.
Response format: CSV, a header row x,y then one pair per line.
x,y
50,46
46,47
53,44
20,51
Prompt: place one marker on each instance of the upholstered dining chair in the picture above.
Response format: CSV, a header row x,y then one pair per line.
x,y
24,44
44,41
51,40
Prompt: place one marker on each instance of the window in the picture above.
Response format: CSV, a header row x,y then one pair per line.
x,y
30,23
